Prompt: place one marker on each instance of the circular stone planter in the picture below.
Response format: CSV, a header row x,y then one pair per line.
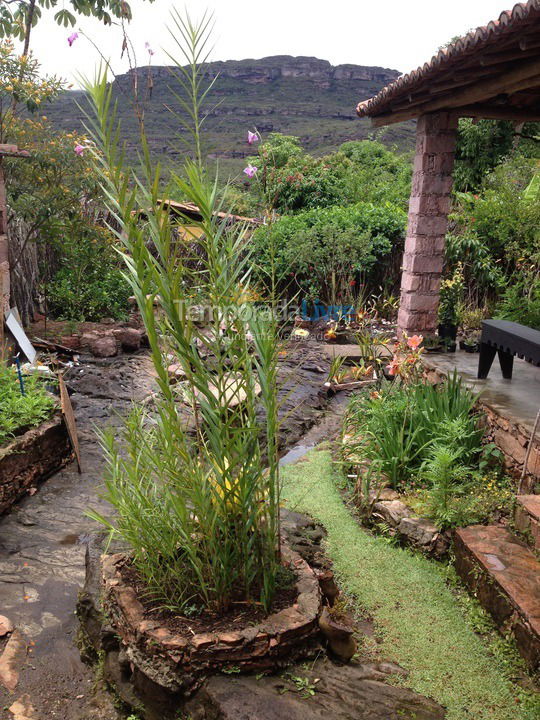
x,y
161,667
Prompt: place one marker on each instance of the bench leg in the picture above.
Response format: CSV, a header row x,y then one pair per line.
x,y
506,361
485,361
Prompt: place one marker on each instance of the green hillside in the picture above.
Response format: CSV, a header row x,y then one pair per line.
x,y
299,96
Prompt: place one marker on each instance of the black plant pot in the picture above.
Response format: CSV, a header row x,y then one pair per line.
x,y
469,348
451,347
448,331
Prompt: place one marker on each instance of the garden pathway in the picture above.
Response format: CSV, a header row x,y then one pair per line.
x,y
42,550
43,539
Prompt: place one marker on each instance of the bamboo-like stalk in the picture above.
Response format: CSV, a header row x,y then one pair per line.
x,y
200,514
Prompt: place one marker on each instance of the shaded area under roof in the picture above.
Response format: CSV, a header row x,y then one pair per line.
x,y
492,72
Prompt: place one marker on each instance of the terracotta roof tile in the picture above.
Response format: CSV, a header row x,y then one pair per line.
x,y
508,21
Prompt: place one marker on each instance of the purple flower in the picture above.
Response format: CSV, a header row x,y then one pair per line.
x,y
252,137
148,48
72,38
79,149
250,171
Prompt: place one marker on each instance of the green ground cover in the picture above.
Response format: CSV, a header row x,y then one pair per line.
x,y
422,624
19,412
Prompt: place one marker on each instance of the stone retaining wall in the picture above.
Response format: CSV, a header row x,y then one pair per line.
x,y
31,458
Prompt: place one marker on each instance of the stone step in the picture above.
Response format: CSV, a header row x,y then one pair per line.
x,y
527,518
504,574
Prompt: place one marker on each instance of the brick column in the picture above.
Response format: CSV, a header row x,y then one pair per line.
x,y
428,218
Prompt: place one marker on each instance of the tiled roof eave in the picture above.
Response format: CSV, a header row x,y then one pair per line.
x,y
469,44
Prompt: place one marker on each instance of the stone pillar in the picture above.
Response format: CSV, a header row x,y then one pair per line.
x,y
428,218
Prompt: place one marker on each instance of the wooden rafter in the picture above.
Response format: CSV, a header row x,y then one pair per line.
x,y
517,79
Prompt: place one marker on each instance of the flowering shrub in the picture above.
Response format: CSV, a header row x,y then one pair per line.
x,y
406,360
322,254
20,79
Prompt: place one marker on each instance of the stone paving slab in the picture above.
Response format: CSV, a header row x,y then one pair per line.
x,y
341,692
508,584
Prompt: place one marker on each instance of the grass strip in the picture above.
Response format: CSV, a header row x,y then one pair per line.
x,y
420,621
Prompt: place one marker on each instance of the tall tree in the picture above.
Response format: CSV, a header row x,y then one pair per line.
x,y
18,17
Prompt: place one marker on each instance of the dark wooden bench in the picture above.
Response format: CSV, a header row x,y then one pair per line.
x,y
507,339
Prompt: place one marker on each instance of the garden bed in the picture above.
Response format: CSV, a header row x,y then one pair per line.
x,y
158,660
31,458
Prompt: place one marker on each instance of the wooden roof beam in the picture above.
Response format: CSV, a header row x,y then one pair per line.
x,y
493,112
518,79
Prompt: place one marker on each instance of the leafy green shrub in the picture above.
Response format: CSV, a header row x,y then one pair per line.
x,y
459,496
481,146
19,412
482,273
426,440
312,183
447,479
90,285
521,301
398,428
291,180
377,174
324,253
451,296
496,233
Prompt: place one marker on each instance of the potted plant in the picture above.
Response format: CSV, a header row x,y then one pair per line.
x,y
433,344
450,297
471,342
471,328
449,344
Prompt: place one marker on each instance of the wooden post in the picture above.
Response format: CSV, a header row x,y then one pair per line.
x,y
4,246
428,219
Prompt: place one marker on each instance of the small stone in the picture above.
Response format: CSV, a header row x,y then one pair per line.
x,y
418,531
12,660
392,511
388,494
176,372
71,341
87,339
230,638
129,339
23,709
6,626
104,347
203,640
339,634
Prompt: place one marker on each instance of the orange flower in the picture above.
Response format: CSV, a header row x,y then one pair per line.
x,y
415,341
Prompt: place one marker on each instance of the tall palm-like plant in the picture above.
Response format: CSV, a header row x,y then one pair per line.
x,y
197,500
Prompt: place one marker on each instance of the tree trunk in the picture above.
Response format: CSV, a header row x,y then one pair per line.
x,y
25,274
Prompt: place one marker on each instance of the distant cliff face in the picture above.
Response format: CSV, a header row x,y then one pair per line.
x,y
301,96
268,70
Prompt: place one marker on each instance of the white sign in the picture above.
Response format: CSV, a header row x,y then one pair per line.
x,y
20,336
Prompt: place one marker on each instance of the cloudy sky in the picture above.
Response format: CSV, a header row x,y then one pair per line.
x,y
400,34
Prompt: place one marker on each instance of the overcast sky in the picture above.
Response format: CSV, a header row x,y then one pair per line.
x,y
399,34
